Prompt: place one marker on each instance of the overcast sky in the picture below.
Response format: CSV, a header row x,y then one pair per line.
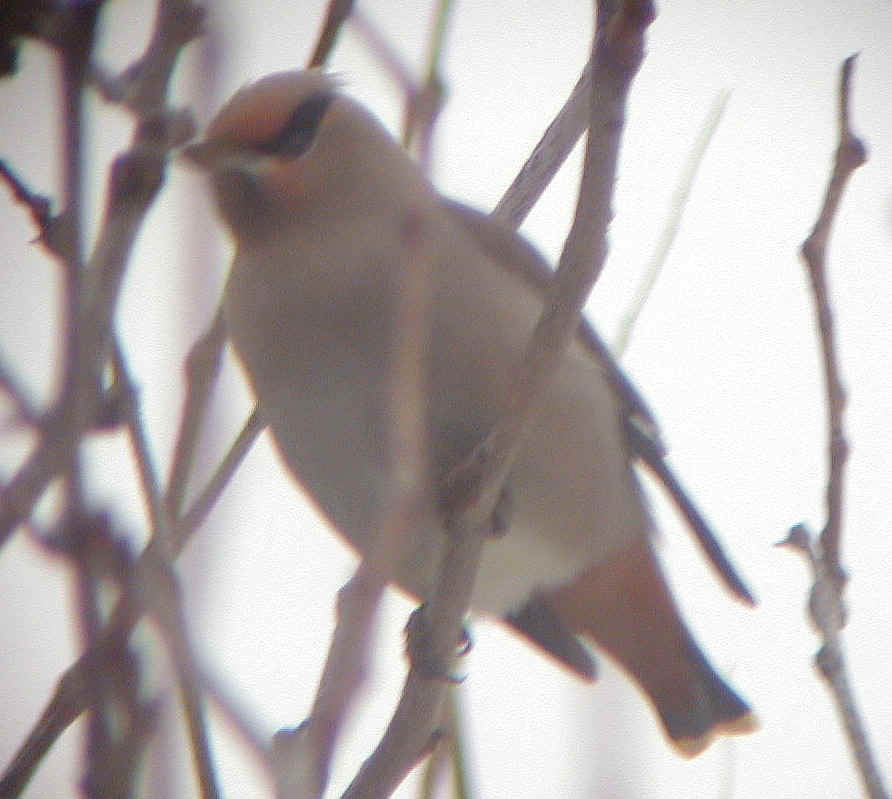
x,y
725,351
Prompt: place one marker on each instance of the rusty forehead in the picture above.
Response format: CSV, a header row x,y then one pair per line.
x,y
258,111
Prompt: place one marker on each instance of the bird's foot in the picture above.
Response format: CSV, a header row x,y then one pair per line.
x,y
419,649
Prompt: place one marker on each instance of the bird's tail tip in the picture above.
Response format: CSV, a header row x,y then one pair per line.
x,y
690,745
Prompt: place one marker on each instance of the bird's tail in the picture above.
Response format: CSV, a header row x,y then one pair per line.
x,y
624,606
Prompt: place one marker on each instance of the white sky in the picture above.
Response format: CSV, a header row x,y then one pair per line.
x,y
725,352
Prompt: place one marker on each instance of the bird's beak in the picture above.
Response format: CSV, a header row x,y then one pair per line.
x,y
216,156
204,154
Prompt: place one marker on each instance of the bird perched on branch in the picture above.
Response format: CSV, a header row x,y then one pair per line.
x,y
320,201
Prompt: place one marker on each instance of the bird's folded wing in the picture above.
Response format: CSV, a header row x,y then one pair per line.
x,y
506,248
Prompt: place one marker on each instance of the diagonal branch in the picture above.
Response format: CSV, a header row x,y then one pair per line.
x,y
335,17
548,155
474,488
673,223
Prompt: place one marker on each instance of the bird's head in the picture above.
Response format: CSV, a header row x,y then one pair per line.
x,y
290,146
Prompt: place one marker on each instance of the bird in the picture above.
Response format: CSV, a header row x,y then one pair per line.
x,y
317,197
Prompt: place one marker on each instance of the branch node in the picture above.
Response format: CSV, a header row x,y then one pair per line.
x,y
136,177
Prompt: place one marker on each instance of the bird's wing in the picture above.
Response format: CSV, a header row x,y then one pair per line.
x,y
512,252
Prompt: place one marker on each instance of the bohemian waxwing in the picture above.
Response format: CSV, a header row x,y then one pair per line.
x,y
318,196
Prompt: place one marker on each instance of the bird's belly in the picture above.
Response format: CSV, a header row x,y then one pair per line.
x,y
334,440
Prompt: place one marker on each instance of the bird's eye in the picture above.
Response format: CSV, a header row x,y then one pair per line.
x,y
299,130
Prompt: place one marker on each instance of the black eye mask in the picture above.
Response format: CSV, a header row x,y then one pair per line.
x,y
298,132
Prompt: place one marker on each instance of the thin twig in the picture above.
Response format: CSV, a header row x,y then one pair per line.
x,y
135,180
69,699
148,474
616,60
548,155
828,614
673,223
335,17
239,718
449,756
850,154
25,412
202,368
74,403
643,432
67,704
825,603
207,498
91,292
173,621
37,205
136,177
168,610
142,86
423,101
387,55
423,106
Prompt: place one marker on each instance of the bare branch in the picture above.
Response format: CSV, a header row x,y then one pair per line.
x,y
37,204
825,602
67,704
387,55
673,223
301,757
335,17
850,154
474,488
135,180
142,86
548,155
202,368
69,701
828,614
617,57
207,498
641,426
91,293
423,106
173,621
25,412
